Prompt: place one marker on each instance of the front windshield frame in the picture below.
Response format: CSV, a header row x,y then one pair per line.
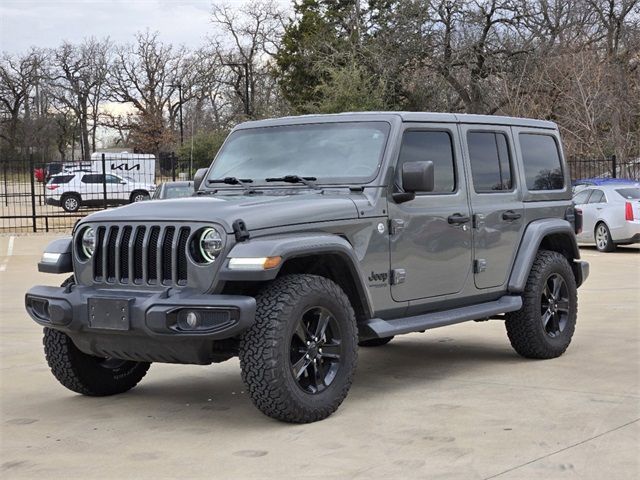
x,y
320,180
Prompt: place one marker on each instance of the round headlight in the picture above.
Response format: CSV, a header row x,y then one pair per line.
x,y
88,242
210,244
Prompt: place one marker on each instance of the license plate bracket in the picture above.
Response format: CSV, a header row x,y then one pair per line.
x,y
110,313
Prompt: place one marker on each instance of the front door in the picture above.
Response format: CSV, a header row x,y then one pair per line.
x,y
496,202
431,235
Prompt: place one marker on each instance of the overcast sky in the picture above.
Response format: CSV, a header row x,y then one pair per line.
x,y
46,23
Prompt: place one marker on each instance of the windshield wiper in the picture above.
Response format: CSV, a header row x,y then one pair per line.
x,y
234,181
308,181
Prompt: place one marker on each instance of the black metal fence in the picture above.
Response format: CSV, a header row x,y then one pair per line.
x,y
44,196
604,168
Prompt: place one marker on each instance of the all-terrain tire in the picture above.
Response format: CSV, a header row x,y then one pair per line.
x,y
87,374
266,349
374,342
526,327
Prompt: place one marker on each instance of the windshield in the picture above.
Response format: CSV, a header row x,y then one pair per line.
x,y
629,193
329,152
177,191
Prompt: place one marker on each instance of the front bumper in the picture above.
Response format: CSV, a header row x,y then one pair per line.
x,y
140,325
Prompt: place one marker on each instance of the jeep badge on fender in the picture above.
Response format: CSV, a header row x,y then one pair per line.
x,y
282,256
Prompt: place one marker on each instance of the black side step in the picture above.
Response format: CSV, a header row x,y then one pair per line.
x,y
378,328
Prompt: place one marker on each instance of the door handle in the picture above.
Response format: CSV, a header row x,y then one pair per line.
x,y
458,219
510,215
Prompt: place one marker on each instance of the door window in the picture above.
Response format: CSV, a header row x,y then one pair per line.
x,y
597,197
541,160
434,146
581,198
490,163
93,178
112,179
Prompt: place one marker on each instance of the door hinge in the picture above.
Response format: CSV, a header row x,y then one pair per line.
x,y
396,225
398,276
479,265
478,221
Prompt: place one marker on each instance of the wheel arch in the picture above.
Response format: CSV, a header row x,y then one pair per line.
x,y
138,190
325,255
552,234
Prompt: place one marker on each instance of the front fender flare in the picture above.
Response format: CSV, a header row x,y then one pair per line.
x,y
292,246
534,234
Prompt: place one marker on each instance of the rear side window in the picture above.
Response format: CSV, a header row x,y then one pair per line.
x,y
581,198
93,178
541,160
421,146
60,179
597,197
629,193
490,164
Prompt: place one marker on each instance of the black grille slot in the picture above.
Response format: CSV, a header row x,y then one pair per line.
x,y
182,255
152,259
167,250
137,254
111,254
141,254
97,256
124,254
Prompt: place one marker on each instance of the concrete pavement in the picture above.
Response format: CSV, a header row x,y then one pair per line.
x,y
454,403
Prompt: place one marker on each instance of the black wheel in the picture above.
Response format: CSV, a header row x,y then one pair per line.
x,y
87,374
375,342
70,202
604,242
299,357
543,327
139,196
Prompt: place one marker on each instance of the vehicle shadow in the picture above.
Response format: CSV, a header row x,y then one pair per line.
x,y
198,399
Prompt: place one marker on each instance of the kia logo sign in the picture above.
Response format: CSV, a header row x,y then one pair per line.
x,y
125,166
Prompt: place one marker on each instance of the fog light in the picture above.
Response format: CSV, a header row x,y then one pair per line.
x,y
192,319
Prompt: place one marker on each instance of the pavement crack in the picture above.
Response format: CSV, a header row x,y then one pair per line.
x,y
568,447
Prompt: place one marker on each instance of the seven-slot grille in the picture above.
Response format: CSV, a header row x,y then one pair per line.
x,y
141,255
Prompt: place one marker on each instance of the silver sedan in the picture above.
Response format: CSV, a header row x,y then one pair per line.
x,y
611,215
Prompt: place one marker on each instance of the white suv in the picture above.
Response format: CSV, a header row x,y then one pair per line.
x,y
71,190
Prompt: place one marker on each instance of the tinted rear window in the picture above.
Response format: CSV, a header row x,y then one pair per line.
x,y
490,164
629,193
93,178
541,160
59,179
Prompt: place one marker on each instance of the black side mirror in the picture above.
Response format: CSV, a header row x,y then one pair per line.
x,y
198,178
416,177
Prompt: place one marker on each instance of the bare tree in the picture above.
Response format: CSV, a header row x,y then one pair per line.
x,y
254,29
78,76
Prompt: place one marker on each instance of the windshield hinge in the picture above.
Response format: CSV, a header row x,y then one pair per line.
x,y
240,231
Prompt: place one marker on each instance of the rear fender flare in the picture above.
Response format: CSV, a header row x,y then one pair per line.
x,y
532,239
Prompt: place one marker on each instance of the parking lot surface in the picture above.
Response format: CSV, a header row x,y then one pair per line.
x,y
451,403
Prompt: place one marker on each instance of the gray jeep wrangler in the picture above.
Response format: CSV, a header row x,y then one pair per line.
x,y
309,236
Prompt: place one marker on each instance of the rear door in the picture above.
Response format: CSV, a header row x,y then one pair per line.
x,y
496,201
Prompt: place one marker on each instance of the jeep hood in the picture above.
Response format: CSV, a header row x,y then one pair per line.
x,y
257,211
